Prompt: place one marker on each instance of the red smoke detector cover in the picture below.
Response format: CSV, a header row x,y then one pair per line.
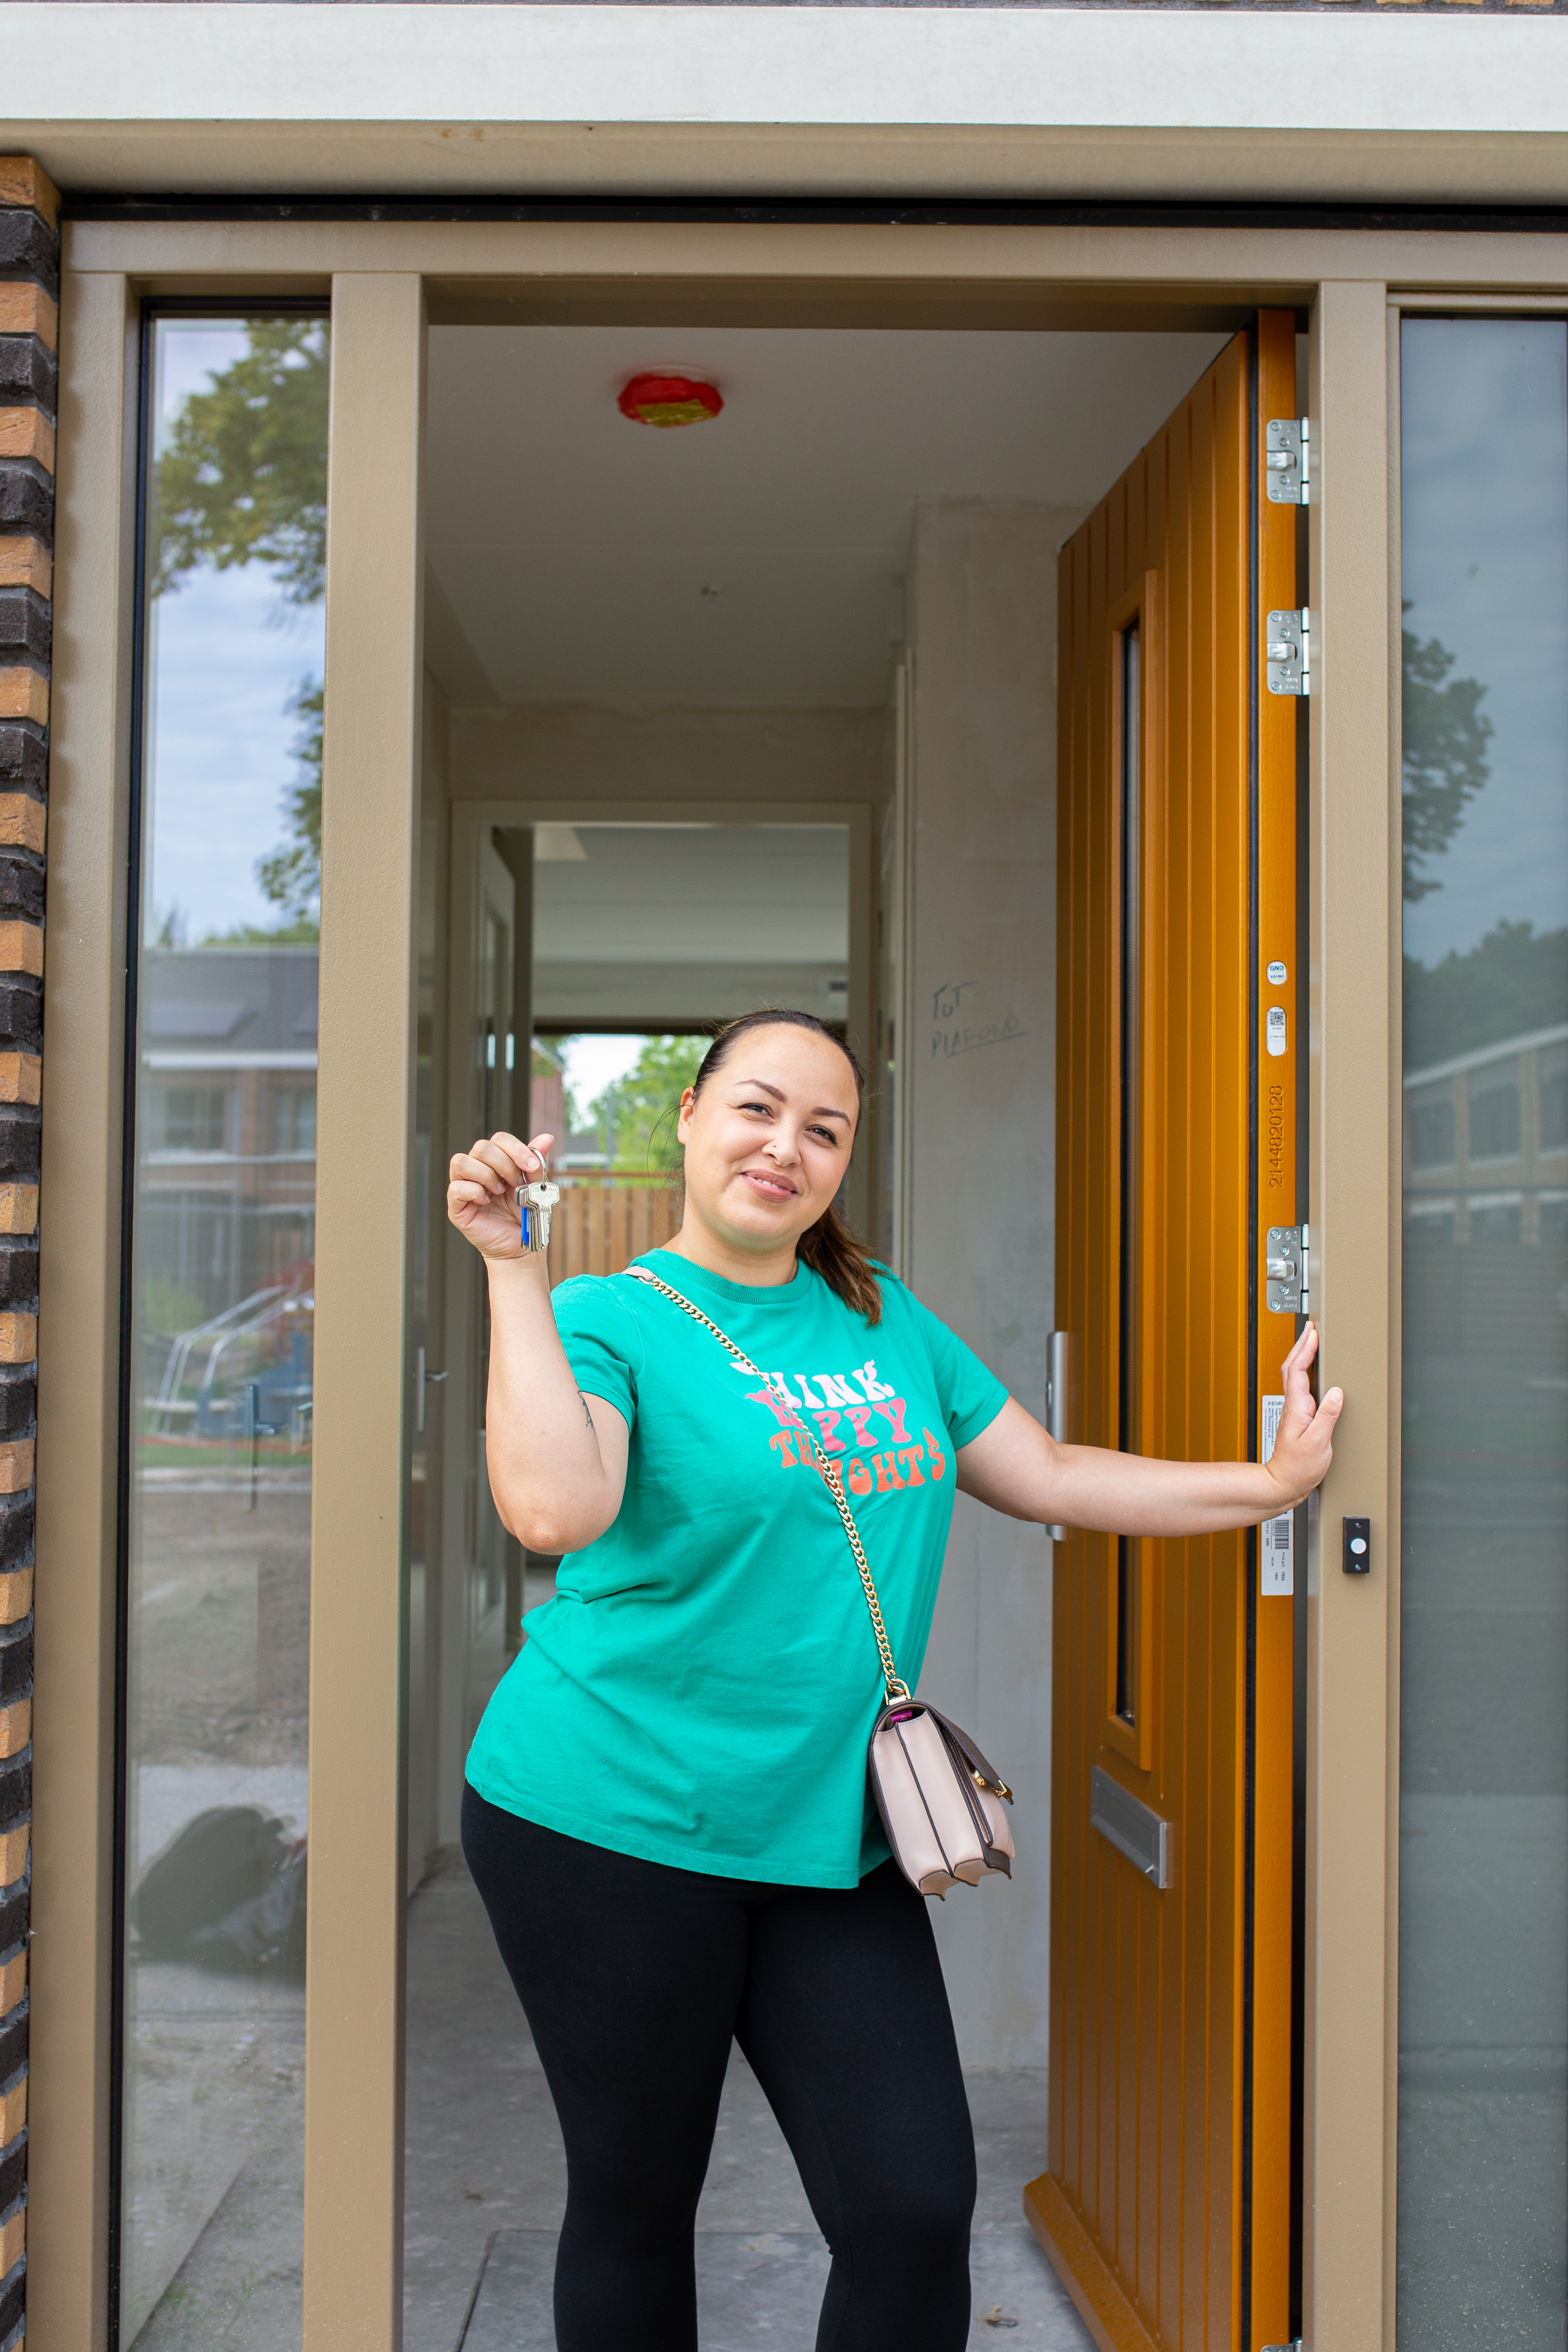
x,y
669,400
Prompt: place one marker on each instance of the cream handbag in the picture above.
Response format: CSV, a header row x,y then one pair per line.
x,y
941,1803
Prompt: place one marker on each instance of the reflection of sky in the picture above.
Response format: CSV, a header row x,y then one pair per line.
x,y
1485,532
191,352
227,656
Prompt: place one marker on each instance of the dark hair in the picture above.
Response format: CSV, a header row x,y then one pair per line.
x,y
829,1247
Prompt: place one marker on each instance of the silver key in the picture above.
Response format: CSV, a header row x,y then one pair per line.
x,y
534,1203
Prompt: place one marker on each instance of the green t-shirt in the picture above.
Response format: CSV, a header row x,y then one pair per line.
x,y
701,1688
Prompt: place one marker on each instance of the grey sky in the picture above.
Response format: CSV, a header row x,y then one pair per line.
x,y
1485,530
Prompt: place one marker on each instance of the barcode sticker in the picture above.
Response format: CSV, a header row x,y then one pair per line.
x,y
1276,1562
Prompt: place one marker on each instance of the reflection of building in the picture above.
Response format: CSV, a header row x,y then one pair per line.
x,y
227,1115
1486,1197
1486,1144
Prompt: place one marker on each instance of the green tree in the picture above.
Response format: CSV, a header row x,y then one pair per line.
x,y
243,476
242,479
640,1108
291,876
1513,981
1446,737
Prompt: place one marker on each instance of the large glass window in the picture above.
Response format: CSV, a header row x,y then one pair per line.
x,y
1483,1924
219,1346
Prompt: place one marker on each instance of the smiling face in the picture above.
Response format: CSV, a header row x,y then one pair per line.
x,y
768,1139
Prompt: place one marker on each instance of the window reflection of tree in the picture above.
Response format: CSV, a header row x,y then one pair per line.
x,y
1507,993
217,1621
242,479
1514,983
1446,734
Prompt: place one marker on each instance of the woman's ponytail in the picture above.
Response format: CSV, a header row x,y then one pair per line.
x,y
831,1250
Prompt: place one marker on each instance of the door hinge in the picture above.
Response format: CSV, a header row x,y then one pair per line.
x,y
1289,652
1285,1270
1288,460
1295,2345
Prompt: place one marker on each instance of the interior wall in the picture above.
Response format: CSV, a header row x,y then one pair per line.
x,y
980,1065
548,750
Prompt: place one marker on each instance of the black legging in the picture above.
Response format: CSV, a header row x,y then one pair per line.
x,y
635,1976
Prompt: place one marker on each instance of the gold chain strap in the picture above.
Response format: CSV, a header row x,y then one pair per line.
x,y
896,1689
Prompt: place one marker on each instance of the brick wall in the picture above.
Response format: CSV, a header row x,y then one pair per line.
x,y
29,288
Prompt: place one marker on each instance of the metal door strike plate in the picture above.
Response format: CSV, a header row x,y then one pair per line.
x,y
1285,1270
1290,653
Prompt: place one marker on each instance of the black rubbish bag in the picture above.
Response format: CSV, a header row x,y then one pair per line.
x,y
228,1893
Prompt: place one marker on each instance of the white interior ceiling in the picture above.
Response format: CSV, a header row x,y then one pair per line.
x,y
754,560
653,924
704,893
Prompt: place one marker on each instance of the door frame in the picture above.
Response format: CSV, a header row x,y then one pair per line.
x,y
453,1111
385,278
469,824
470,818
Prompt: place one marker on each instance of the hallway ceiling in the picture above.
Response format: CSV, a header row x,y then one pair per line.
x,y
755,561
650,925
662,893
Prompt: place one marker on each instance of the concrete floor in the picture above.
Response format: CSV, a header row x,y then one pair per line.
x,y
484,2156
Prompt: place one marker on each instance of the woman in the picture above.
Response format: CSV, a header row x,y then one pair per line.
x,y
666,1811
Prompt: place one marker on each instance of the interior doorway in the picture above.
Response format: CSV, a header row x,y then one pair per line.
x,y
589,966
762,710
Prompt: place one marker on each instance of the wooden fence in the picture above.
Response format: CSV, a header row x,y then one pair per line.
x,y
602,1222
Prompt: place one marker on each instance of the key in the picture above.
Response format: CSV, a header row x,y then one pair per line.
x,y
534,1203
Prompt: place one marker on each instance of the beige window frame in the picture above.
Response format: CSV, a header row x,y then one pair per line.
x,y
386,279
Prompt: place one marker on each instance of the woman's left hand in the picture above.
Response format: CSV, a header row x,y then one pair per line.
x,y
1304,1446
1015,1467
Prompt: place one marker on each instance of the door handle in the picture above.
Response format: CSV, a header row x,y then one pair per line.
x,y
422,1380
1058,1399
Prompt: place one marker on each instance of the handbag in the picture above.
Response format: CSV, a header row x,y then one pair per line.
x,y
943,1805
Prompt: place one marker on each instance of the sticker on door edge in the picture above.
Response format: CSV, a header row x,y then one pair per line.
x,y
1276,1562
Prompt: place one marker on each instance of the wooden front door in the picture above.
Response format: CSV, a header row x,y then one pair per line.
x,y
1168,2202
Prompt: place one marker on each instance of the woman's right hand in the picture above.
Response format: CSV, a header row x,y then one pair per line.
x,y
481,1191
557,1458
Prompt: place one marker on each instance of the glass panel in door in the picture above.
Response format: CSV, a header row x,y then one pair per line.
x,y
222,1123
1483,1921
